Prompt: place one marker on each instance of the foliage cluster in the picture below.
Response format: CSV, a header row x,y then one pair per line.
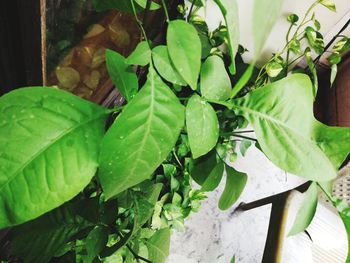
x,y
74,190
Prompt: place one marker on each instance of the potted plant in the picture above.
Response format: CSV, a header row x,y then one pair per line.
x,y
76,187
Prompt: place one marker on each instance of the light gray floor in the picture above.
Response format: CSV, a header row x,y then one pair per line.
x,y
212,235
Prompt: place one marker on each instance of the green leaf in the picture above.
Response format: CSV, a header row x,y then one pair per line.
x,y
229,10
202,126
273,69
49,147
334,70
306,211
158,246
330,140
265,14
235,183
315,40
292,18
143,4
95,243
205,167
144,204
122,75
140,56
122,5
38,240
329,4
244,146
213,179
243,80
184,48
295,46
282,116
215,82
141,137
165,67
312,67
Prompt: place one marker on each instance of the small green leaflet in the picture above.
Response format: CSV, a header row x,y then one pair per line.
x,y
165,67
213,180
143,4
265,14
158,246
122,75
204,167
49,147
244,146
286,138
141,55
229,10
235,183
141,137
329,4
306,211
184,48
215,82
202,126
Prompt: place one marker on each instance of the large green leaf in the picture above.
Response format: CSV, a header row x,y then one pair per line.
x,y
165,67
38,241
235,183
122,75
282,116
306,211
214,177
49,146
158,246
184,48
215,82
333,141
202,126
265,14
229,10
141,137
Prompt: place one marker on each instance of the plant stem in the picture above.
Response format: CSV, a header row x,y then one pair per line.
x,y
138,21
191,9
244,137
136,256
177,159
223,103
165,11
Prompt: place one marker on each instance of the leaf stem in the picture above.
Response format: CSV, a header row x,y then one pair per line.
x,y
244,137
191,9
138,21
165,11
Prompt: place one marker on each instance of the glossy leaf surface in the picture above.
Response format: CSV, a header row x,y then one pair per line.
x,y
202,126
158,246
215,82
235,183
306,211
122,75
141,55
141,137
184,48
165,67
49,146
282,116
37,241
